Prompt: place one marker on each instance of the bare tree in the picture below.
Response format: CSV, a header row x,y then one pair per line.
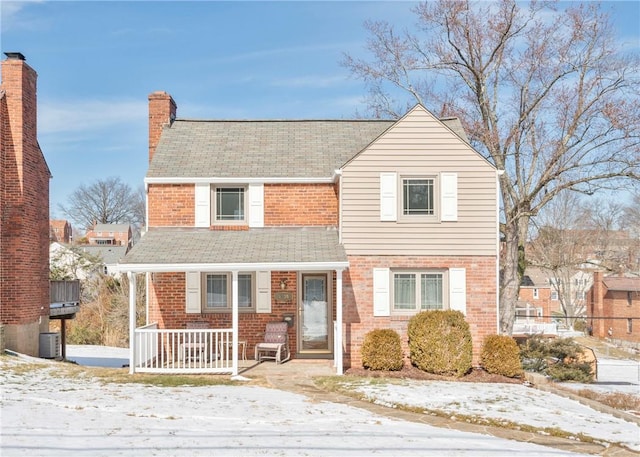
x,y
546,95
106,201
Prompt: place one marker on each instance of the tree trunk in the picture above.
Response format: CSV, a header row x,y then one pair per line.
x,y
512,271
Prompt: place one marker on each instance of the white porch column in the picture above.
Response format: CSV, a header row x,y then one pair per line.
x,y
338,350
234,320
132,321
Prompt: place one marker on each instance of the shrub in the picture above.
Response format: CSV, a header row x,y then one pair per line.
x,y
440,342
580,325
562,359
382,350
500,355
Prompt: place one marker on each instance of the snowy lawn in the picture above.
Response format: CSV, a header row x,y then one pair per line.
x,y
497,403
45,412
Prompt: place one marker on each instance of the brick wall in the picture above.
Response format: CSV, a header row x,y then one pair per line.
x,y
24,203
609,311
300,205
358,299
171,205
543,301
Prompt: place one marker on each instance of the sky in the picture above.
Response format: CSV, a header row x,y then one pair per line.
x,y
97,61
85,417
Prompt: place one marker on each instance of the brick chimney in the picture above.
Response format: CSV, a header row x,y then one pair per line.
x,y
162,112
19,83
597,305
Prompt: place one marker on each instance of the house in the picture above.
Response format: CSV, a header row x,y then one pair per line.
x,y
84,261
337,227
24,210
613,309
110,235
60,231
536,300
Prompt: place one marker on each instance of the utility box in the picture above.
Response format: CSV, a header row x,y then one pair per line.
x,y
49,345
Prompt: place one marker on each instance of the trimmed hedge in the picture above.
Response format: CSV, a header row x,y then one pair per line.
x,y
500,354
440,342
382,350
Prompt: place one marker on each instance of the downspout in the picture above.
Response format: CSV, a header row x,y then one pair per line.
x,y
337,174
498,174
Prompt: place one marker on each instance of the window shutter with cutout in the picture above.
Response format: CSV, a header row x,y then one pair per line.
x,y
458,290
381,292
193,294
449,197
388,196
263,292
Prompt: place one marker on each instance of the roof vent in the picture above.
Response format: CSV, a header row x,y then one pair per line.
x,y
14,55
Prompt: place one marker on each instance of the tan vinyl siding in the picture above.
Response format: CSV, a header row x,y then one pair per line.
x,y
419,145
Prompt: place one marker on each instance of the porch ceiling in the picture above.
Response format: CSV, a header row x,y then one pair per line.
x,y
255,249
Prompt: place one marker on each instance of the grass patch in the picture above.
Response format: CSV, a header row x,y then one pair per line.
x,y
616,400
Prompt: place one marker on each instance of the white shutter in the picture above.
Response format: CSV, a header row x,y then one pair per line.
x,y
263,292
388,196
203,204
193,292
381,305
256,205
449,196
458,290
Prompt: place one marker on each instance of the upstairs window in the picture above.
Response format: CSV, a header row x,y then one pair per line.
x,y
418,197
230,204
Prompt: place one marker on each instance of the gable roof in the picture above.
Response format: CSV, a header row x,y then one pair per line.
x,y
265,149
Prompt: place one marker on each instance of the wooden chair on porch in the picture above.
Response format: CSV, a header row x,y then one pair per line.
x,y
194,346
276,343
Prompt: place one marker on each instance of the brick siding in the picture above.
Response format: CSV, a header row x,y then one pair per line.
x,y
300,205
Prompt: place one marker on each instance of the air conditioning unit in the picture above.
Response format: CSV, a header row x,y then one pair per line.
x,y
49,345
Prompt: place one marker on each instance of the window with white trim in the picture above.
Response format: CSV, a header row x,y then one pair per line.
x,y
229,204
217,292
536,294
415,291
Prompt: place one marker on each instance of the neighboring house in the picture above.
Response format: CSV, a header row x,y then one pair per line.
x,y
60,231
613,309
337,227
110,235
24,211
536,300
82,261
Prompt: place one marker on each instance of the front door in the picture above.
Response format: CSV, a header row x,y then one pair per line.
x,y
314,316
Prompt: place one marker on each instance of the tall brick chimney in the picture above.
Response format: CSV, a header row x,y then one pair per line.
x,y
162,112
24,211
597,305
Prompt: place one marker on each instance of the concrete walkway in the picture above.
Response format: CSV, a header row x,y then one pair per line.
x,y
297,376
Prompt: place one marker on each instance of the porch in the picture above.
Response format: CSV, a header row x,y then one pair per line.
x,y
192,351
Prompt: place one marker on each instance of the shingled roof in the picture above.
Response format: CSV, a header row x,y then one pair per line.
x,y
240,149
267,247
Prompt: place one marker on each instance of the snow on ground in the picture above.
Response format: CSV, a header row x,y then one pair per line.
x,y
43,415
508,402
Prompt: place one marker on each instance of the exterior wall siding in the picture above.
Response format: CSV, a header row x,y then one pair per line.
x,y
419,145
481,307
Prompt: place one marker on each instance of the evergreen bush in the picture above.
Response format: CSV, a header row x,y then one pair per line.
x,y
500,355
440,342
562,359
382,350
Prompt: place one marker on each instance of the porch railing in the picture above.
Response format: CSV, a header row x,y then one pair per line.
x,y
182,351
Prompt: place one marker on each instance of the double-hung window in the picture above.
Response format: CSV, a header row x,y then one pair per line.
x,y
418,197
229,204
218,292
415,291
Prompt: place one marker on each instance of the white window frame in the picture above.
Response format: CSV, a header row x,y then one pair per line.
x,y
228,307
417,307
536,294
214,205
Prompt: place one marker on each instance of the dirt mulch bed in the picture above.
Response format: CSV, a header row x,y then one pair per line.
x,y
411,372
